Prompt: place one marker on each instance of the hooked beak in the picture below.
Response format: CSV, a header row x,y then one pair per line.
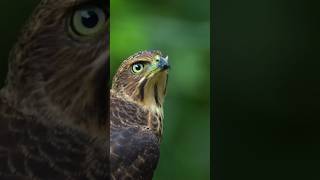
x,y
163,63
159,64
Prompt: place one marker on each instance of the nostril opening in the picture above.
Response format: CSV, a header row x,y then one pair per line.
x,y
166,67
157,60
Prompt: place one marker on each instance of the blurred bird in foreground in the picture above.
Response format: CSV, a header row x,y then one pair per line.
x,y
136,115
53,115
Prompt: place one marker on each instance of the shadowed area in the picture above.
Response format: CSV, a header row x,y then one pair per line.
x,y
53,106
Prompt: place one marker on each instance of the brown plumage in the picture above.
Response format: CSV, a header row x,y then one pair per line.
x,y
53,115
136,115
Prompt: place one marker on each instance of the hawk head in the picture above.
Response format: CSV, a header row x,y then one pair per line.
x,y
58,68
142,78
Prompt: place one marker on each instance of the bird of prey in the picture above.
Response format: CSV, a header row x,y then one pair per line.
x,y
136,115
53,108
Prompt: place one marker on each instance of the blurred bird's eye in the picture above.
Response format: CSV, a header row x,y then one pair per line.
x,y
137,68
88,21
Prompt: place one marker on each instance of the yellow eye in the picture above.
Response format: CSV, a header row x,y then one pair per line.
x,y
88,21
137,68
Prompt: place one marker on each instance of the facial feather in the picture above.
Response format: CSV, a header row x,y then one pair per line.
x,y
147,88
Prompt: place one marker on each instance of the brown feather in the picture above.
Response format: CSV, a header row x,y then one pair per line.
x,y
53,109
136,119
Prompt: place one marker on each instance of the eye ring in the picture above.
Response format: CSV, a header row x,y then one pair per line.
x,y
137,68
87,21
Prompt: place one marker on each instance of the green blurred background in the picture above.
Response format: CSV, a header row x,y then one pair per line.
x,y
181,30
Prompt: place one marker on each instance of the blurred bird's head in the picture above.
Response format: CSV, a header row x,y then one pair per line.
x,y
143,78
58,66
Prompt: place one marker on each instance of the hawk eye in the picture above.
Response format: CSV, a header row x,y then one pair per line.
x,y
88,21
137,68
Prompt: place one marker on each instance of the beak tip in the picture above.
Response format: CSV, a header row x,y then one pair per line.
x,y
166,58
163,63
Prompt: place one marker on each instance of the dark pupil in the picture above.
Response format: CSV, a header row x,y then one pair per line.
x,y
138,67
90,20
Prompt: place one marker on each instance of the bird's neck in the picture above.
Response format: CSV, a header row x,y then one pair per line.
x,y
138,114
